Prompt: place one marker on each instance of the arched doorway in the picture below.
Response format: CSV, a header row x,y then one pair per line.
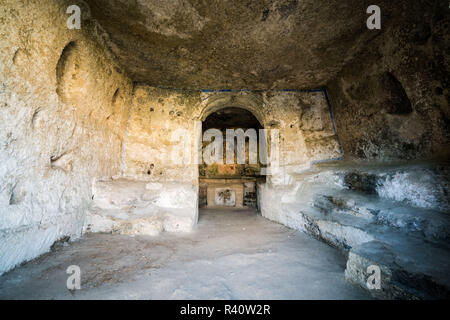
x,y
231,178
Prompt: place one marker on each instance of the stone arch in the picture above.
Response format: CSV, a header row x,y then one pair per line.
x,y
243,180
248,101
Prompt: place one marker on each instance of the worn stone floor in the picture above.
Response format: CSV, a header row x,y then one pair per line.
x,y
232,254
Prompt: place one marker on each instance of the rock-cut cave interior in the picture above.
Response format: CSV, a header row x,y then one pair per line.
x,y
240,149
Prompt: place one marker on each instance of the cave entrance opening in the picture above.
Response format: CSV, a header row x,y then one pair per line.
x,y
231,168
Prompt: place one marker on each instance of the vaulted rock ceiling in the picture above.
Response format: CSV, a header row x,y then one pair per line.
x,y
236,44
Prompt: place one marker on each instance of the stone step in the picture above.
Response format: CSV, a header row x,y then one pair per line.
x,y
409,245
422,186
345,201
409,269
338,229
141,208
432,224
395,217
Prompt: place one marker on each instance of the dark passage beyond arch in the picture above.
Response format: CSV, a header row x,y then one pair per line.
x,y
230,185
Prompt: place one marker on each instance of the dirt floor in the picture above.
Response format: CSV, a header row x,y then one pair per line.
x,y
232,254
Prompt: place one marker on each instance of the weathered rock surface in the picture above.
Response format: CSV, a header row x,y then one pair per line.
x,y
270,44
99,126
62,122
165,125
406,237
409,268
392,101
136,207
